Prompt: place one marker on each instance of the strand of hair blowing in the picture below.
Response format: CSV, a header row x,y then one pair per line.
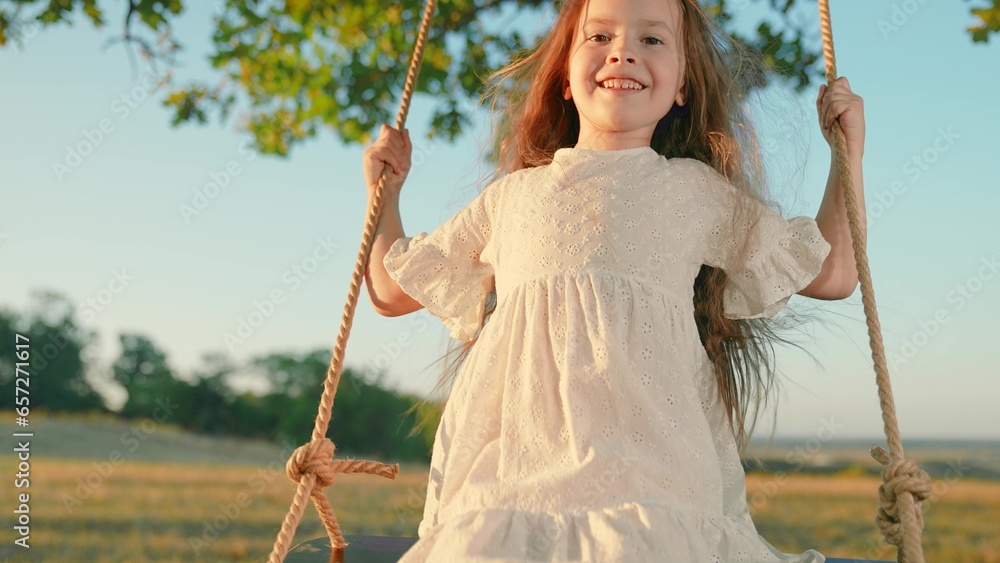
x,y
312,465
904,485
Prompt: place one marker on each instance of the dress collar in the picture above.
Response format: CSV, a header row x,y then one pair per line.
x,y
573,164
603,154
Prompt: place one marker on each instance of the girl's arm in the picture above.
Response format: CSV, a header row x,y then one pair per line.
x,y
391,150
839,276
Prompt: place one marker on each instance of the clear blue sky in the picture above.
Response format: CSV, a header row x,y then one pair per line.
x,y
929,94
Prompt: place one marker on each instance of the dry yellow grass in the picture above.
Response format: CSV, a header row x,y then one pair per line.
x,y
836,515
149,512
157,512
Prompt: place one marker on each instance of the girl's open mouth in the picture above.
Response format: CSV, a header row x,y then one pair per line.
x,y
621,84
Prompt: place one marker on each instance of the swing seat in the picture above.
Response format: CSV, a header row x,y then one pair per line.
x,y
361,549
388,549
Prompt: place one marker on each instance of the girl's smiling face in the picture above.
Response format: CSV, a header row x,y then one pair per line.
x,y
626,70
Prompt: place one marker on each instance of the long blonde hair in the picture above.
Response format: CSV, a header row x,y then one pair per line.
x,y
533,120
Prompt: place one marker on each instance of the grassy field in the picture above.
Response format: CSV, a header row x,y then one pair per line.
x,y
166,512
220,500
836,515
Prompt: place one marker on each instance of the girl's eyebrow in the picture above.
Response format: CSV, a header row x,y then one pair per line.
x,y
656,23
642,23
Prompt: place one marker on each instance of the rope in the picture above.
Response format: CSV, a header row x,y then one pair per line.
x,y
312,465
904,485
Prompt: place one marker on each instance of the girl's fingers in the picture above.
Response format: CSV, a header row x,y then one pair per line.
x,y
395,139
841,86
822,105
391,141
832,115
392,135
395,163
386,157
398,156
834,101
389,154
838,108
384,133
388,136
398,146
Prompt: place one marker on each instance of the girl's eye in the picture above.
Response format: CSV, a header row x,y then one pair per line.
x,y
599,37
652,41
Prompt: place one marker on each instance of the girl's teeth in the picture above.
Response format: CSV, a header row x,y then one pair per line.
x,y
618,83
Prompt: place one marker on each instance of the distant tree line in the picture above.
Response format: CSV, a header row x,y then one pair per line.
x,y
368,419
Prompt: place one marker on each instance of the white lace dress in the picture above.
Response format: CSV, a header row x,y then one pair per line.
x,y
584,424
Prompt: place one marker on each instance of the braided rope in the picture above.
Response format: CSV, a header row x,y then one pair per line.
x,y
312,464
904,485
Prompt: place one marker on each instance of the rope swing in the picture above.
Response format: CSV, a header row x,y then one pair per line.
x,y
903,487
312,465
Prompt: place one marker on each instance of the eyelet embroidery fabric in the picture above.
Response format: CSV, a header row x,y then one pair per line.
x,y
584,425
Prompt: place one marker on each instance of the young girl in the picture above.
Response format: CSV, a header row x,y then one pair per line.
x,y
628,267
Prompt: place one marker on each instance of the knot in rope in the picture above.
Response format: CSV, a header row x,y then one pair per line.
x,y
899,476
315,457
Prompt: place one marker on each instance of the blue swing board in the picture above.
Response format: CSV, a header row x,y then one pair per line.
x,y
388,549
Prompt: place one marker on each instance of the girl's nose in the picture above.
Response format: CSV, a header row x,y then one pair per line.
x,y
621,53
618,58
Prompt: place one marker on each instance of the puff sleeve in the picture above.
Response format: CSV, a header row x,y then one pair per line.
x,y
782,256
444,270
